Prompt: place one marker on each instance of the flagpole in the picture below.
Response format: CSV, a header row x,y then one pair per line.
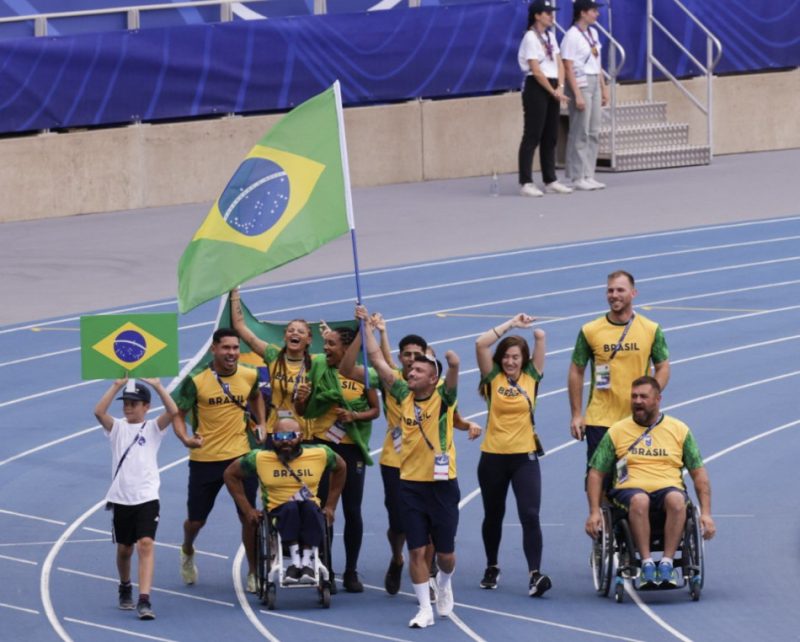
x,y
348,199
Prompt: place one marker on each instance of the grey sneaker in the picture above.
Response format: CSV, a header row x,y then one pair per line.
x,y
126,602
145,611
188,568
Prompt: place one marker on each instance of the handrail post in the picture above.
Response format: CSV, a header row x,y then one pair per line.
x,y
320,7
133,18
649,67
40,26
709,95
226,12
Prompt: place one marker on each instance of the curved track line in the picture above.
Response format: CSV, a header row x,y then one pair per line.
x,y
241,596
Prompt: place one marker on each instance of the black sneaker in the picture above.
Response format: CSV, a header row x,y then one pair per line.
x,y
490,577
307,575
145,611
539,584
394,576
351,582
292,575
126,602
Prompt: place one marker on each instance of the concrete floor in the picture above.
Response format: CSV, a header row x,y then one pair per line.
x,y
79,264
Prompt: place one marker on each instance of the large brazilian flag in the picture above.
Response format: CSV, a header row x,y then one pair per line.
x,y
288,197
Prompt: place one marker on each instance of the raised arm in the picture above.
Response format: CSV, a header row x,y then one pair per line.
x,y
378,323
385,372
484,342
101,409
259,346
451,378
539,349
348,366
170,408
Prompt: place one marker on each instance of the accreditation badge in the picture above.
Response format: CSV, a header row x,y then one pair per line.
x,y
441,467
336,433
602,377
397,438
622,470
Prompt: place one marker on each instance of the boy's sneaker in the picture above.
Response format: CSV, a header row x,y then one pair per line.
x,y
145,611
666,574
490,577
394,575
648,573
188,568
444,601
423,619
292,575
307,575
539,584
126,602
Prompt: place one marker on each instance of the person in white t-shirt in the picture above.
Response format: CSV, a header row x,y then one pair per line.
x,y
542,97
133,495
587,89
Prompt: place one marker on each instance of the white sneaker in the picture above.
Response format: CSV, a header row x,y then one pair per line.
x,y
444,602
251,583
530,189
557,188
584,185
596,184
423,619
188,568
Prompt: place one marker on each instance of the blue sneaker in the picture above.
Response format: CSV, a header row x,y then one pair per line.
x,y
666,574
648,573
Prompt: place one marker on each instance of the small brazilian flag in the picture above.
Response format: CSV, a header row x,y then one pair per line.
x,y
289,196
140,345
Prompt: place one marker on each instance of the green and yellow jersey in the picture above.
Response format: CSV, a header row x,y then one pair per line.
x,y
391,411
436,422
285,375
278,485
215,416
643,343
656,461
509,425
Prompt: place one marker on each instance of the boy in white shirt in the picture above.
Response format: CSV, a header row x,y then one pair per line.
x,y
133,495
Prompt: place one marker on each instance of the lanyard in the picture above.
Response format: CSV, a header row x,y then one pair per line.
x,y
227,390
442,434
645,433
618,345
128,449
548,46
297,379
587,35
519,389
296,477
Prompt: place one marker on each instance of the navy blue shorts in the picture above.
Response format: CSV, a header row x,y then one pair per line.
x,y
205,482
430,513
132,523
622,497
392,498
302,522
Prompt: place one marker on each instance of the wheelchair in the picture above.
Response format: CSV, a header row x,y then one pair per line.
x,y
271,571
614,554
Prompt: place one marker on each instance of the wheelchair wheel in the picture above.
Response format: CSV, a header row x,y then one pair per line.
x,y
325,596
603,556
694,566
262,560
270,596
627,567
619,590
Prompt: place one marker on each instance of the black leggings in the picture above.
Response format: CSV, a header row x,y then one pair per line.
x,y
495,472
352,496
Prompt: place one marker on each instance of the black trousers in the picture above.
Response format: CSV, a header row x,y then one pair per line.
x,y
540,112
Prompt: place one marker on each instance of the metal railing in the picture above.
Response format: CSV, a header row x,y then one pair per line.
x,y
712,43
616,61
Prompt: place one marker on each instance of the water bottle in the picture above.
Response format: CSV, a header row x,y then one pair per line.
x,y
494,187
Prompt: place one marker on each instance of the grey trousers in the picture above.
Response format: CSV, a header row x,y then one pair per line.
x,y
584,132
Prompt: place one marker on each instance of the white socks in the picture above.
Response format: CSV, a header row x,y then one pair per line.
x,y
306,557
443,579
294,553
423,593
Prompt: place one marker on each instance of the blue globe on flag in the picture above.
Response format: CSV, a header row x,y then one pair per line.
x,y
256,197
130,346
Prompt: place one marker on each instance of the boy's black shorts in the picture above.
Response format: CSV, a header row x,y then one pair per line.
x,y
132,523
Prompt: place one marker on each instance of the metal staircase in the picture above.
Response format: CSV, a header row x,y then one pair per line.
x,y
637,135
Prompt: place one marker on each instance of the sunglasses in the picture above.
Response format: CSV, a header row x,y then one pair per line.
x,y
432,361
284,436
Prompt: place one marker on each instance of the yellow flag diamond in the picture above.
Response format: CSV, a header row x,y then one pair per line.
x,y
129,346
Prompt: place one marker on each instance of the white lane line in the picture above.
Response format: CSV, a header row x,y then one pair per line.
x,y
116,630
451,261
652,614
514,616
48,392
738,445
47,566
241,596
731,515
332,626
51,542
114,580
18,559
19,608
461,625
46,355
197,551
36,517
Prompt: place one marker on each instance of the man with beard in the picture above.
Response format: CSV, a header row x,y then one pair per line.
x,y
647,452
289,477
